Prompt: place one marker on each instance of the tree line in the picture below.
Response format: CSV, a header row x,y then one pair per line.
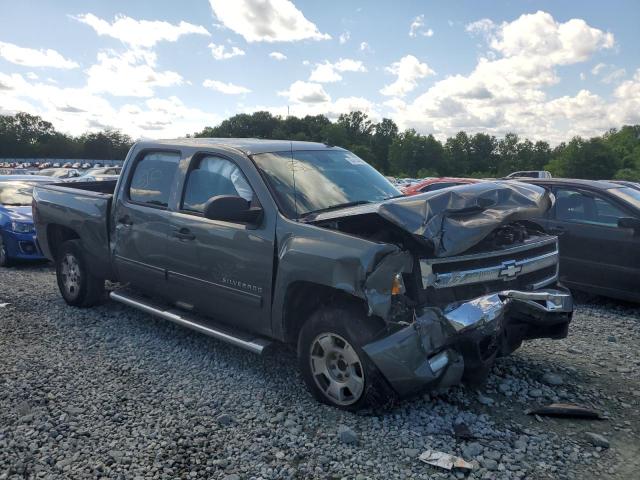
x,y
29,136
615,154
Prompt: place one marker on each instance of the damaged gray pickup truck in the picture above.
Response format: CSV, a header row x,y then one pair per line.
x,y
255,241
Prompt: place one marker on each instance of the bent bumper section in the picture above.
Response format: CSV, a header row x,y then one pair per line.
x,y
460,342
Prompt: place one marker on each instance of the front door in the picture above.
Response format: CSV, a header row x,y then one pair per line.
x,y
141,227
221,269
594,252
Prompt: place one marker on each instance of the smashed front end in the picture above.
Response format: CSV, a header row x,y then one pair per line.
x,y
472,279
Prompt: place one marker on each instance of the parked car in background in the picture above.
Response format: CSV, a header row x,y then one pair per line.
x,y
220,236
61,173
104,171
431,184
17,233
598,224
530,174
56,165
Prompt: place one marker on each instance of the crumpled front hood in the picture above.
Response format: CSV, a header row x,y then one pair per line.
x,y
452,220
19,214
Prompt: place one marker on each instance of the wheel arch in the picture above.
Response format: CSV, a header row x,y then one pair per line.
x,y
58,234
302,298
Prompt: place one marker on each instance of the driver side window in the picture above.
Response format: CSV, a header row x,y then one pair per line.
x,y
579,207
211,177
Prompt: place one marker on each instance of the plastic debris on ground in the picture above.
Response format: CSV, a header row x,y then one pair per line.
x,y
444,460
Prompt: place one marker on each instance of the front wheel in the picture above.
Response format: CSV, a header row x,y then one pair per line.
x,y
78,287
334,367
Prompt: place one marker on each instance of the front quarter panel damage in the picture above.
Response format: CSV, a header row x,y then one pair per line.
x,y
356,266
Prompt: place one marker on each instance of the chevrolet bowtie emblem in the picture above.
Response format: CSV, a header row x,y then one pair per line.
x,y
509,270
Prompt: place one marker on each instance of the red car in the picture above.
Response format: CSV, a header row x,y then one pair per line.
x,y
431,184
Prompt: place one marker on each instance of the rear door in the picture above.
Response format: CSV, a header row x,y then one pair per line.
x,y
221,269
594,252
141,223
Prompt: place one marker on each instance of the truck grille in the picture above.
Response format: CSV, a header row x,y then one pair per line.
x,y
528,266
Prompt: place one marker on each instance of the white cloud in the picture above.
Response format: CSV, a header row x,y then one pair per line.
x,y
220,52
614,76
131,73
305,92
331,109
539,35
364,47
507,89
278,56
140,33
226,88
417,28
77,110
266,20
327,72
32,76
598,68
30,57
344,37
483,26
408,71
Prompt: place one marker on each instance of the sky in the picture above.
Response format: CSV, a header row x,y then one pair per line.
x,y
545,70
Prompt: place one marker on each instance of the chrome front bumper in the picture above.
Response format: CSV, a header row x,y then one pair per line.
x,y
442,346
487,308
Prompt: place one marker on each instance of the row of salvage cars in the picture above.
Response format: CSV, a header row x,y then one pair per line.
x,y
17,233
597,223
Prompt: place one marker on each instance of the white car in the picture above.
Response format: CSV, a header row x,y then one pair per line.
x,y
530,174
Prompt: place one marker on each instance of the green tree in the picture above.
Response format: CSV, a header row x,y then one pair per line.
x,y
592,159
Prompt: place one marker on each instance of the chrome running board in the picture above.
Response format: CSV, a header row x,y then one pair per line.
x,y
240,339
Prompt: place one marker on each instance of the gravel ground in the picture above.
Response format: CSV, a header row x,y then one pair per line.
x,y
111,392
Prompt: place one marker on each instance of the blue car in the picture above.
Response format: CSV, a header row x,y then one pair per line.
x,y
17,234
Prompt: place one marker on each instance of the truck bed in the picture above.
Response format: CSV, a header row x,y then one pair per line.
x,y
80,209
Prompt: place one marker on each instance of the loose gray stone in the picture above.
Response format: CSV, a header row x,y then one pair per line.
x,y
597,440
551,378
346,435
225,419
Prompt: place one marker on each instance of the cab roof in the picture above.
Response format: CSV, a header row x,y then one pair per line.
x,y
248,146
597,184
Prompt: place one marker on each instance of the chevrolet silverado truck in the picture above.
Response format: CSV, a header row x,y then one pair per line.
x,y
262,241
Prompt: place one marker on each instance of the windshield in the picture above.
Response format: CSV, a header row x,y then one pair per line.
x,y
323,179
628,194
15,193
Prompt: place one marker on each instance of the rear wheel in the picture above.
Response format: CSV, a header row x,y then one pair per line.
x,y
5,261
78,287
334,367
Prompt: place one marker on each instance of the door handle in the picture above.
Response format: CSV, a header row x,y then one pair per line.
x,y
125,220
184,234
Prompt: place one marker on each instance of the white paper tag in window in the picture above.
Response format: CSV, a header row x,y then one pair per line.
x,y
353,160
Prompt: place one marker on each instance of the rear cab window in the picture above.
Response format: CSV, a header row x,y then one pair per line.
x,y
153,178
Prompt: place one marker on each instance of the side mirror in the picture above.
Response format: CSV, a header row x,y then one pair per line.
x,y
231,208
629,222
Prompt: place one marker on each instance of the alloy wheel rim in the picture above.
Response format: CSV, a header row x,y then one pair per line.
x,y
337,369
71,275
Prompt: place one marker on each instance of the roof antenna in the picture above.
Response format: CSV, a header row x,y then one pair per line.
x,y
293,174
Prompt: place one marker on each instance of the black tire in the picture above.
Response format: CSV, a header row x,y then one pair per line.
x,y
5,260
345,322
78,287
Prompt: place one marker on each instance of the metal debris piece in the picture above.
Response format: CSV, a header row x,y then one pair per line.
x,y
444,460
566,410
2,305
